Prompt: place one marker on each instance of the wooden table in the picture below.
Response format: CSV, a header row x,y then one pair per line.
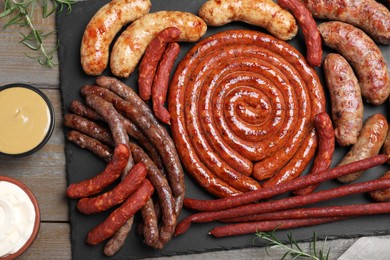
x,y
44,171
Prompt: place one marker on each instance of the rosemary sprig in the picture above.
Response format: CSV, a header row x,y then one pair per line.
x,y
292,247
20,13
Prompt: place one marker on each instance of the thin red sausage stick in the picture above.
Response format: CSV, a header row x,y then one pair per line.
x,y
253,227
97,183
326,143
309,28
288,203
119,216
331,211
149,62
252,196
161,82
117,195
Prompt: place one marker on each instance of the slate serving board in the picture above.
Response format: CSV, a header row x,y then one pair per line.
x,y
82,164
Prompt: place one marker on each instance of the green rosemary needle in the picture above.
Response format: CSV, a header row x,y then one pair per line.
x,y
292,247
20,12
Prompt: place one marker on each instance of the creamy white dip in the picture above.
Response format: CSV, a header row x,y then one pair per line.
x,y
17,216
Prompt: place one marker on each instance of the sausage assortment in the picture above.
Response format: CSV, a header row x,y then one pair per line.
x,y
246,111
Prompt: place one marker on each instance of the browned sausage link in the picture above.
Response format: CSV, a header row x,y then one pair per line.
x,y
80,109
120,215
252,196
345,97
164,194
326,144
364,56
320,212
295,167
369,143
89,128
149,62
115,243
369,15
287,203
309,29
142,116
150,223
381,195
97,183
86,142
113,119
253,227
111,116
386,145
115,196
161,81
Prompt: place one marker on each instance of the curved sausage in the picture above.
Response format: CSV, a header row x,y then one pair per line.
x,y
132,43
115,243
151,58
345,97
309,29
103,27
326,145
262,13
119,216
363,55
161,82
117,195
97,183
150,223
78,108
368,15
369,143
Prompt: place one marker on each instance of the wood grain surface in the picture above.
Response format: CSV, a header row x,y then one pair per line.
x,y
44,172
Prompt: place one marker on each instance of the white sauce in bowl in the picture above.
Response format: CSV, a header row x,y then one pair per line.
x,y
17,217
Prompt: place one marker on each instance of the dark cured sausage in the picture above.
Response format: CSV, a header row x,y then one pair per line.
x,y
97,183
80,109
164,194
286,203
363,55
369,15
150,223
253,227
151,58
117,195
309,29
197,103
141,115
329,211
119,216
249,197
89,128
325,150
118,239
346,99
87,142
161,82
369,143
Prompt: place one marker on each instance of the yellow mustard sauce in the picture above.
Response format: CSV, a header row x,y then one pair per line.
x,y
24,120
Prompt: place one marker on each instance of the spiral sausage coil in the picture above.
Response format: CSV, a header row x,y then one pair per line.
x,y
242,105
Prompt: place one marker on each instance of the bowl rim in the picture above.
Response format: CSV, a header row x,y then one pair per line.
x,y
37,222
52,118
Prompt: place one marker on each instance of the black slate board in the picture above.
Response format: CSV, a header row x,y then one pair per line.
x,y
82,164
